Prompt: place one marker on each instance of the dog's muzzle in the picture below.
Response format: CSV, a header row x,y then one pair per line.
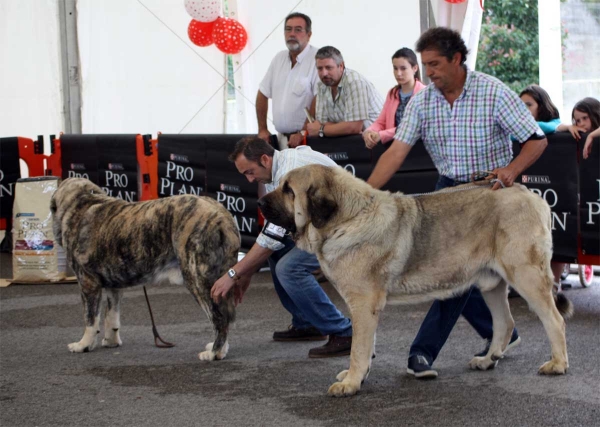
x,y
274,216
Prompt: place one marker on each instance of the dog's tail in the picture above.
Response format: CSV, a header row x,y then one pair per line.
x,y
564,306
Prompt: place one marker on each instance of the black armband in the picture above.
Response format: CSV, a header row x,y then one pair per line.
x,y
536,136
274,231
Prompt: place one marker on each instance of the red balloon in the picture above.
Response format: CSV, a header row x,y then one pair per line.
x,y
201,33
456,1
229,35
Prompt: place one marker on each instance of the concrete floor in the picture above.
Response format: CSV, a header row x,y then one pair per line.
x,y
265,383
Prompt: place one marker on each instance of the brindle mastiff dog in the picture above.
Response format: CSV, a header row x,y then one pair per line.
x,y
377,247
112,244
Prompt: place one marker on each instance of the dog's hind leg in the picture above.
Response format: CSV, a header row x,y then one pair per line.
x,y
535,287
112,318
91,295
503,323
364,311
220,315
219,348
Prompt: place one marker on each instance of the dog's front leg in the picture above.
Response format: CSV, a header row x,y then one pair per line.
x,y
91,295
364,310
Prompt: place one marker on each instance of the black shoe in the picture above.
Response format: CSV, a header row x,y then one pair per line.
x,y
293,334
419,367
515,341
335,347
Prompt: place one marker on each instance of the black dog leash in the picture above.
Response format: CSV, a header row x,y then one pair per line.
x,y
158,341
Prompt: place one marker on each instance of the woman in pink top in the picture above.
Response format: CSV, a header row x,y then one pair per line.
x,y
407,74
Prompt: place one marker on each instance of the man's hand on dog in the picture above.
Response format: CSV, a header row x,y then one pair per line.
x,y
239,289
222,287
506,175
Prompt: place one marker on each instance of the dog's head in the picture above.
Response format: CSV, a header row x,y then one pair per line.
x,y
73,194
305,196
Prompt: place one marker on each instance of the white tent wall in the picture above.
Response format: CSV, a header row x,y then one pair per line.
x,y
30,75
141,73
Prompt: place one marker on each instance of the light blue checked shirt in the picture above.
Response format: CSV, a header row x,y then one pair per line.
x,y
283,162
472,135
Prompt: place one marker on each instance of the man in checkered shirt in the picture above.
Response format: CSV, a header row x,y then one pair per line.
x,y
346,102
465,120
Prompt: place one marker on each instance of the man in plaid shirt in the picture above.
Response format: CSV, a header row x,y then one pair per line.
x,y
465,120
346,103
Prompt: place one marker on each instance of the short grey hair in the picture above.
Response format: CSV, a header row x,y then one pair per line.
x,y
327,52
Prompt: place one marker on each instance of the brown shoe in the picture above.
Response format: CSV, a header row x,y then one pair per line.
x,y
335,347
293,334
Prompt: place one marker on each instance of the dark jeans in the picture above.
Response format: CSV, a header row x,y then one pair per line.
x,y
300,293
442,315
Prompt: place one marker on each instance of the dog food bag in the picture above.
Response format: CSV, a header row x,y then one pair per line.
x,y
36,256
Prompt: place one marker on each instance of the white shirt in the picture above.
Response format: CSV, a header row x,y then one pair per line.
x,y
291,89
283,162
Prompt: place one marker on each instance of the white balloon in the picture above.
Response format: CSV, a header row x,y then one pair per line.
x,y
203,10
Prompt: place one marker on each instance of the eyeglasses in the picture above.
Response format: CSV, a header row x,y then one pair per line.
x,y
297,30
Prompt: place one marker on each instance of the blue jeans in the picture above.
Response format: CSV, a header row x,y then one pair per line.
x,y
301,294
443,315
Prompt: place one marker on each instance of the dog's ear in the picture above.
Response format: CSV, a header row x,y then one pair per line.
x,y
321,205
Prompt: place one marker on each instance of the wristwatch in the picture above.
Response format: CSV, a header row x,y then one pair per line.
x,y
321,134
231,273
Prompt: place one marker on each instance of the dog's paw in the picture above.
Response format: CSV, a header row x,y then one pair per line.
x,y
343,389
342,375
78,347
482,363
112,342
209,355
553,367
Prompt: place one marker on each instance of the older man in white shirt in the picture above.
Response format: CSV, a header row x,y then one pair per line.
x,y
290,82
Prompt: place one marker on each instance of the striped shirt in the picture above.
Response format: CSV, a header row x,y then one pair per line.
x,y
472,135
357,99
283,162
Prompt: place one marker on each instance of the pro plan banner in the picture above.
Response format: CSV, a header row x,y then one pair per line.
x,y
79,157
118,167
181,165
554,178
347,151
589,208
413,182
109,161
418,158
226,185
417,175
10,171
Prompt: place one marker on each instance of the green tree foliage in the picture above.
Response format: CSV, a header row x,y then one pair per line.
x,y
508,44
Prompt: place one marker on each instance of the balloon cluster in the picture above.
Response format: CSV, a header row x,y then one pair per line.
x,y
208,27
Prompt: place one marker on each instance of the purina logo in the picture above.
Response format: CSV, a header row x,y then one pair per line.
x,y
230,188
179,158
115,167
535,179
77,167
337,156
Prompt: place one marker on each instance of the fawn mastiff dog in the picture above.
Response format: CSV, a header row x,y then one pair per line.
x,y
378,247
112,244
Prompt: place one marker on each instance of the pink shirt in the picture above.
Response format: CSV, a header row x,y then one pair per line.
x,y
385,122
